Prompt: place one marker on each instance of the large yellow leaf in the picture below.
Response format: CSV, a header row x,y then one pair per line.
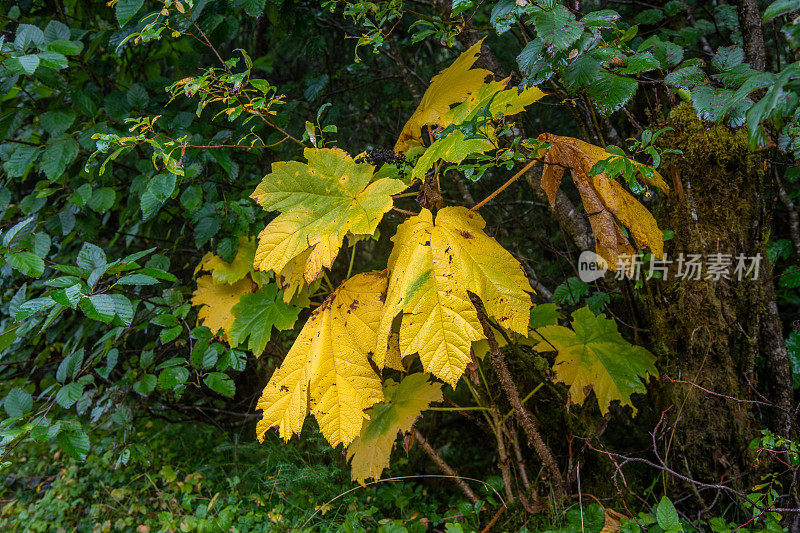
x,y
594,356
224,272
369,453
327,368
452,85
431,268
216,301
461,83
320,202
605,200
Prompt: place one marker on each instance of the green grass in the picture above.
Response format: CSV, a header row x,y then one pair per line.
x,y
191,477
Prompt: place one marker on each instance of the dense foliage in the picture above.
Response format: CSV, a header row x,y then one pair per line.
x,y
371,213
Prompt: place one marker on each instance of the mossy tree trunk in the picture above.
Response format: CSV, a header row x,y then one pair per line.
x,y
722,335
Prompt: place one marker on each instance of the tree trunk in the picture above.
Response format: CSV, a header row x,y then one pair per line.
x,y
712,332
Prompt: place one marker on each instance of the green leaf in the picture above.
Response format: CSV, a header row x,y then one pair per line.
x,y
206,228
8,337
69,296
570,291
21,159
64,47
126,9
21,229
137,96
610,92
453,148
594,356
57,122
172,377
641,62
170,334
544,315
220,383
149,205
254,8
68,394
75,444
26,64
53,60
70,366
17,403
597,302
727,58
649,17
674,7
146,384
161,186
581,72
686,77
711,103
158,273
165,321
55,30
31,307
192,197
27,263
57,156
790,278
28,34
667,516
779,8
98,307
505,14
557,29
91,257
369,453
102,199
604,18
123,308
137,279
257,313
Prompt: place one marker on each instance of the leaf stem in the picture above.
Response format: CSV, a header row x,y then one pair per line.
x,y
467,408
328,281
525,399
503,187
352,259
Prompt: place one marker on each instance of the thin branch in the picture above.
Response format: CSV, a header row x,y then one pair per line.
x,y
526,419
444,467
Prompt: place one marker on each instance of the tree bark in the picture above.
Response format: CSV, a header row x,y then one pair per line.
x,y
752,34
711,332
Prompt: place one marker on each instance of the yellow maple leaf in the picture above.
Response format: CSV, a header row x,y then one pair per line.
x,y
452,85
461,84
320,202
431,268
224,272
604,198
327,369
369,453
216,301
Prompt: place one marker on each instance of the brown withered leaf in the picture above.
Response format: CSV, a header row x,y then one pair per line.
x,y
608,205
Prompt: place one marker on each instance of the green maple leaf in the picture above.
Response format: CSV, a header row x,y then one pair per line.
x,y
594,356
320,202
255,316
370,451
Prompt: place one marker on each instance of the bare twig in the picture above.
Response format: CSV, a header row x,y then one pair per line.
x,y
525,418
444,467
